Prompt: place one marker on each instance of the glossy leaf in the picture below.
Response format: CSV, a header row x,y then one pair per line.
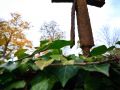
x,y
16,85
10,66
59,44
102,68
99,50
43,63
21,53
56,57
44,83
5,78
23,67
65,73
94,82
111,48
70,62
56,51
118,42
44,42
75,58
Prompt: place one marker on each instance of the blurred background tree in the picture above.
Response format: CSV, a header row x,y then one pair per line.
x,y
51,31
108,36
12,37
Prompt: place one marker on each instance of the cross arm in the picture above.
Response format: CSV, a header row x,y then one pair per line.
x,y
97,3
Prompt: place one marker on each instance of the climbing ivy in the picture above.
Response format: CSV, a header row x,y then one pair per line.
x,y
51,70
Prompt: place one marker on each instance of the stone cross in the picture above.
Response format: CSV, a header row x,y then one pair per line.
x,y
83,22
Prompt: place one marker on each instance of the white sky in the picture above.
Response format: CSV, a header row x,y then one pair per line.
x,y
39,11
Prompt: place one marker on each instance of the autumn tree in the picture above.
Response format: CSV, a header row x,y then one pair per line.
x,y
51,31
12,37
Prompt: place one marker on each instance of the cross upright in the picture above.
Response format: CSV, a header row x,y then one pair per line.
x,y
83,22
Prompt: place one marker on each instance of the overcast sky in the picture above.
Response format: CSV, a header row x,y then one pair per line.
x,y
39,11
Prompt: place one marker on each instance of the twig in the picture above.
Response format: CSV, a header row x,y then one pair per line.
x,y
81,64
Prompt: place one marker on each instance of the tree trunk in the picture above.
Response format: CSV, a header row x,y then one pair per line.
x,y
4,51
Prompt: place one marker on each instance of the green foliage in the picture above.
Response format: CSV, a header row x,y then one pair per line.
x,y
43,83
118,42
58,44
111,48
99,50
65,73
43,63
103,68
16,85
55,45
54,71
21,53
10,66
94,82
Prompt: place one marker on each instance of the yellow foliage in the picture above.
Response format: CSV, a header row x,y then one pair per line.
x,y
2,41
11,32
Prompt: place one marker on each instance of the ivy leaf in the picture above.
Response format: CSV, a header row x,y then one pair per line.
x,y
102,68
65,73
44,83
111,48
75,58
10,66
63,60
24,65
57,44
5,78
118,42
21,53
43,63
56,51
99,50
43,43
16,85
93,82
70,62
56,57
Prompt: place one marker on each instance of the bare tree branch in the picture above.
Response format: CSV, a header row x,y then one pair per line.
x,y
51,31
109,36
